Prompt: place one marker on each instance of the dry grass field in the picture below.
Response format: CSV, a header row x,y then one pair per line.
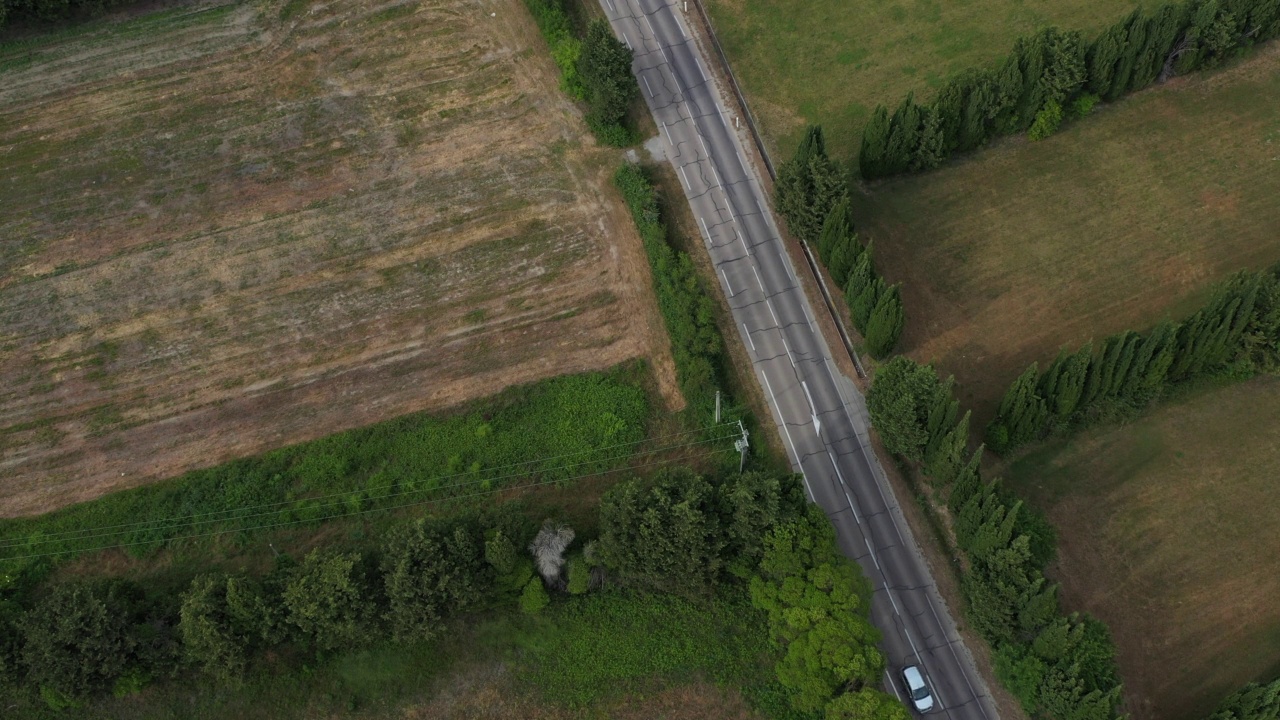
x,y
227,229
832,61
1168,532
1120,220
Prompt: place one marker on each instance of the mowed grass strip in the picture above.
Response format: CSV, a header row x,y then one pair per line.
x,y
1168,533
832,61
1120,220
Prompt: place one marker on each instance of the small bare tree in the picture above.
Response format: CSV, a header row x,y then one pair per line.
x,y
548,548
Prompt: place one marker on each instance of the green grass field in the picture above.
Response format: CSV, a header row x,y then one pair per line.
x,y
1167,532
1119,220
833,61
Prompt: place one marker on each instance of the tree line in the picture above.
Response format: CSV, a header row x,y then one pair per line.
x,y
676,532
49,11
594,68
1057,665
1057,73
1236,333
812,195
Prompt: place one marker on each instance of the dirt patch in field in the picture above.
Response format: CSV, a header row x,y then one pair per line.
x,y
226,232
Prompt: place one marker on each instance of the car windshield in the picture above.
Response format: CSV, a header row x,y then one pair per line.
x,y
920,693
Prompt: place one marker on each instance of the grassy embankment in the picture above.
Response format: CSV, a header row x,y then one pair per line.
x,y
1166,526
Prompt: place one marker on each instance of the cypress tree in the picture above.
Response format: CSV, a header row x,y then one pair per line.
x,y
838,261
1127,351
1071,381
931,149
842,263
1065,71
980,107
875,143
861,276
1022,411
996,530
942,414
950,107
945,459
1031,53
904,137
829,190
1103,55
838,224
1134,384
968,482
1101,370
1048,387
1006,89
886,322
1162,31
1163,343
865,303
1135,40
975,511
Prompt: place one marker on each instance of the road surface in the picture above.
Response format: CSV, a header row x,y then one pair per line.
x,y
819,412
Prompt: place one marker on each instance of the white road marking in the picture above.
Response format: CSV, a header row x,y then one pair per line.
x,y
771,312
698,64
646,85
627,40
788,349
686,179
807,396
726,283
760,207
716,175
877,562
758,280
907,632
611,7
704,143
704,228
668,133
893,685
651,30
840,475
889,595
786,432
849,500
747,332
790,276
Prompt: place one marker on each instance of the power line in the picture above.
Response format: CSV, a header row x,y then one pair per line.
x,y
234,513
353,513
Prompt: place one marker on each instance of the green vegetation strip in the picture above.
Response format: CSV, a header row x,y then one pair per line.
x,y
1055,72
687,309
557,429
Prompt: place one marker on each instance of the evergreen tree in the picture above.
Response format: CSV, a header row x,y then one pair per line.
x,y
328,600
1070,384
900,400
862,275
809,187
865,303
931,148
979,110
968,482
1102,370
1135,40
1023,412
995,531
875,144
1103,56
886,323
943,413
844,258
837,226
904,137
950,105
1128,349
1031,53
1065,71
1006,90
947,459
431,569
1162,31
1251,702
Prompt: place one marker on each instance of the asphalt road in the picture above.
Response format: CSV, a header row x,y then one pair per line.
x,y
819,412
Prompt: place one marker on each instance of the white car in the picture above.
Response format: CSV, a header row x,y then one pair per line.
x,y
917,690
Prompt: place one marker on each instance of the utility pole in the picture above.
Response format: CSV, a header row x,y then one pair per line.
x,y
717,407
741,446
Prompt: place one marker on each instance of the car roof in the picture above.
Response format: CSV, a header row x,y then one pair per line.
x,y
913,676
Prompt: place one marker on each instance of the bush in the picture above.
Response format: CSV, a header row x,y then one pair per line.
x,y
579,576
1083,105
1047,121
534,599
328,600
76,642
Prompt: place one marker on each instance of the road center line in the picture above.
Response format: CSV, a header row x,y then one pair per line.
x,y
771,312
805,387
788,349
877,562
787,433
758,280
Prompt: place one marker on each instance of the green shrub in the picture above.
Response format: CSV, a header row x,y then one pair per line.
x,y
534,599
1047,121
1083,105
579,575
